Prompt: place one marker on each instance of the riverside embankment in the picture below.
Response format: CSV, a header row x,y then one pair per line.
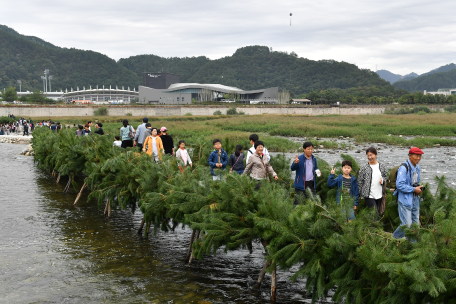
x,y
62,111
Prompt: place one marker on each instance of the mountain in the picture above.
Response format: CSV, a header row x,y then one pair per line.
x,y
26,58
255,67
252,67
392,78
430,82
444,68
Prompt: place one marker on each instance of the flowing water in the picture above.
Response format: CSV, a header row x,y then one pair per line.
x,y
52,252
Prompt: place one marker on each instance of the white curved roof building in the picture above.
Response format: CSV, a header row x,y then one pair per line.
x,y
164,88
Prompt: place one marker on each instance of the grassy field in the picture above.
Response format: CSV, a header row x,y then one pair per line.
x,y
427,129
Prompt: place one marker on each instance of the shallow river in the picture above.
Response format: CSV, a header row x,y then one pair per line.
x,y
52,252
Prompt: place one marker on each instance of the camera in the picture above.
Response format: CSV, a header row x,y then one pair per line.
x,y
418,185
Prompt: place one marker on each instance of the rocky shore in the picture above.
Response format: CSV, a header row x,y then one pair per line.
x,y
15,139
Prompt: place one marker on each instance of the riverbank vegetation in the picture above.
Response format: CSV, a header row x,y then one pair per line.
x,y
356,261
421,130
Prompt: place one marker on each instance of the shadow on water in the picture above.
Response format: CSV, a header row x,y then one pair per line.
x,y
54,252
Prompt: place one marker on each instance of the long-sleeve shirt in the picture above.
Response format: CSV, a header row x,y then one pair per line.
x,y
215,159
252,151
237,162
148,146
125,132
139,137
259,167
404,183
181,153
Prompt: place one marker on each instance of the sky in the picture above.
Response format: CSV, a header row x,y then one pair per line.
x,y
401,36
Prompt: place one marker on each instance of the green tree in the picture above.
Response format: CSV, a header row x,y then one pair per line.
x,y
36,97
9,94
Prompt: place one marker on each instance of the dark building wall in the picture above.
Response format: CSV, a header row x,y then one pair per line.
x,y
160,80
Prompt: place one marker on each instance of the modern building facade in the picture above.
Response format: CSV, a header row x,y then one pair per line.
x,y
115,95
444,92
153,91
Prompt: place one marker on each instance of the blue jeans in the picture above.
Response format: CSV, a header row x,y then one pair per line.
x,y
408,216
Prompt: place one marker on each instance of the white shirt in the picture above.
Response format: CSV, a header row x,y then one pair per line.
x,y
253,150
376,191
154,146
117,143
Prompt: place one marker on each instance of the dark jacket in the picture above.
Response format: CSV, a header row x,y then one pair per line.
x,y
168,143
300,169
213,159
99,131
239,165
338,182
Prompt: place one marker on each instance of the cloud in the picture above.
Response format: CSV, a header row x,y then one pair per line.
x,y
401,36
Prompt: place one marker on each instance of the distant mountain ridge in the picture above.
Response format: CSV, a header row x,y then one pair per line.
x,y
251,67
392,78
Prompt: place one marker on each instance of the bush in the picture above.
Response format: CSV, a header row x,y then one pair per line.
x,y
4,119
450,109
232,111
128,114
188,114
218,112
103,111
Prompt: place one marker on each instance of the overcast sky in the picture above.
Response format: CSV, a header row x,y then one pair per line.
x,y
401,36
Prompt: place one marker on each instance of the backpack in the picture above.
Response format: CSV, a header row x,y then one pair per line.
x,y
391,182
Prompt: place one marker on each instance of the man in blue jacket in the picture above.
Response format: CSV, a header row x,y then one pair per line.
x,y
218,159
306,169
408,191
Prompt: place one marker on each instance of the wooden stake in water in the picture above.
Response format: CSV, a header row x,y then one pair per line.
x,y
80,193
190,247
67,187
58,179
141,226
262,274
273,285
193,256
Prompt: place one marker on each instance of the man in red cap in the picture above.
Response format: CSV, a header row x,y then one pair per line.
x,y
408,191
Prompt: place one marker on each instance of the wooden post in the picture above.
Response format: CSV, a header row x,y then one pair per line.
x,y
192,256
79,194
109,209
67,187
106,208
141,226
262,274
190,247
273,285
58,179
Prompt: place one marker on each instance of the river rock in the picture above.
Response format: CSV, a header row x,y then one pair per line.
x,y
321,146
437,146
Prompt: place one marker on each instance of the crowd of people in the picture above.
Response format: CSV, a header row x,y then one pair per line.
x,y
370,185
17,127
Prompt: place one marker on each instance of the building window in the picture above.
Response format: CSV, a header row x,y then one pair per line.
x,y
177,99
182,98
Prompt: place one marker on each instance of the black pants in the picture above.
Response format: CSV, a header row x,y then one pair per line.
x,y
301,195
372,202
127,143
140,146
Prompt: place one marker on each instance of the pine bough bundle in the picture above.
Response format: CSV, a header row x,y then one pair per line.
x,y
356,261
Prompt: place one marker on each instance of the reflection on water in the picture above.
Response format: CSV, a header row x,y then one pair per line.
x,y
53,252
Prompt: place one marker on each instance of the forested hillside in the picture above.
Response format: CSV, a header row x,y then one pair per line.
x,y
25,58
255,67
252,67
431,82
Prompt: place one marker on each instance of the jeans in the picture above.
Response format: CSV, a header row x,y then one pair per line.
x,y
408,216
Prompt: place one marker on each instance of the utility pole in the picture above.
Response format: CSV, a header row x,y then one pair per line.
x,y
20,85
46,73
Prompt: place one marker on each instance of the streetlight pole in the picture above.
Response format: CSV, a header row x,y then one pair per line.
x,y
50,77
44,83
20,85
46,73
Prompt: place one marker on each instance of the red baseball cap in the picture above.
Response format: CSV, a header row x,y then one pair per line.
x,y
415,150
